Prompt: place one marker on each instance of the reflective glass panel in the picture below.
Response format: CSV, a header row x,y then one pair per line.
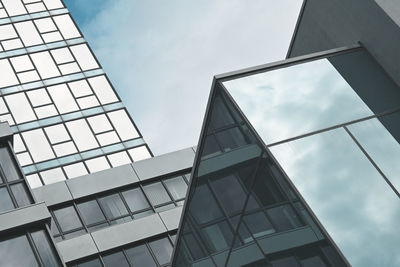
x,y
135,199
115,259
287,102
140,256
21,195
67,218
162,249
91,212
8,165
5,200
113,206
17,252
46,251
91,263
177,187
381,146
347,194
156,193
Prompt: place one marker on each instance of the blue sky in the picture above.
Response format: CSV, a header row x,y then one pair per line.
x,y
161,55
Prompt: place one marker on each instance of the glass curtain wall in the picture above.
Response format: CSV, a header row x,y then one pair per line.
x,y
297,166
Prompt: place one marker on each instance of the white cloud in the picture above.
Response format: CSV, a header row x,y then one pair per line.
x,y
162,55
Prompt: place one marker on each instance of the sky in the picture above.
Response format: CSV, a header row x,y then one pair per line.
x,y
161,56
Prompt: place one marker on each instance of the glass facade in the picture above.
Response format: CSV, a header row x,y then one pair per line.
x,y
118,206
152,253
297,166
67,118
32,248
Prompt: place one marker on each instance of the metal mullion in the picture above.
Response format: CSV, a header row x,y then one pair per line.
x,y
126,258
96,224
61,142
65,63
34,248
44,105
166,189
125,203
146,243
48,31
103,132
102,210
25,71
12,38
146,197
80,216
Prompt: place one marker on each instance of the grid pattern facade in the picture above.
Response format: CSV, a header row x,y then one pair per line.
x,y
153,253
119,206
67,118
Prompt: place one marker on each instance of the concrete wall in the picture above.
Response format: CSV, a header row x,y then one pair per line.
x,y
328,24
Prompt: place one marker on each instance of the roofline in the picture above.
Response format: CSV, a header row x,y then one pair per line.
x,y
296,29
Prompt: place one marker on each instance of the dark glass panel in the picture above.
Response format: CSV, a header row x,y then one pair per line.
x,y
231,139
217,236
193,245
284,218
91,263
45,249
17,252
177,187
204,207
5,200
21,194
91,212
220,115
162,249
67,218
265,189
113,206
140,256
210,146
135,199
258,224
230,193
8,165
156,193
313,261
115,259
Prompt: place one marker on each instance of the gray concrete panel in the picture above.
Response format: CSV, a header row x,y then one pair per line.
x,y
164,164
23,216
102,181
171,218
52,194
327,24
129,232
76,248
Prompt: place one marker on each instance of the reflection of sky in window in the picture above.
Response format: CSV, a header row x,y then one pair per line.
x,y
347,194
291,101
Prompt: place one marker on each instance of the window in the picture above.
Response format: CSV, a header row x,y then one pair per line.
x,y
162,249
113,206
177,187
67,219
26,249
116,259
82,135
91,212
140,256
122,123
136,200
139,153
103,89
38,145
156,193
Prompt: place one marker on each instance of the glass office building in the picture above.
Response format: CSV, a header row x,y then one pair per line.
x,y
78,184
297,165
67,118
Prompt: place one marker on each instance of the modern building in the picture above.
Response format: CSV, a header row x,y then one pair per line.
x,y
298,161
78,184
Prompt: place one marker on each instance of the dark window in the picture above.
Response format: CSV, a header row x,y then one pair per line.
x,y
284,218
91,212
140,256
113,206
162,249
220,115
231,139
177,187
202,198
156,193
135,199
115,259
67,218
5,200
8,165
210,146
44,248
258,224
17,252
230,193
285,262
21,194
